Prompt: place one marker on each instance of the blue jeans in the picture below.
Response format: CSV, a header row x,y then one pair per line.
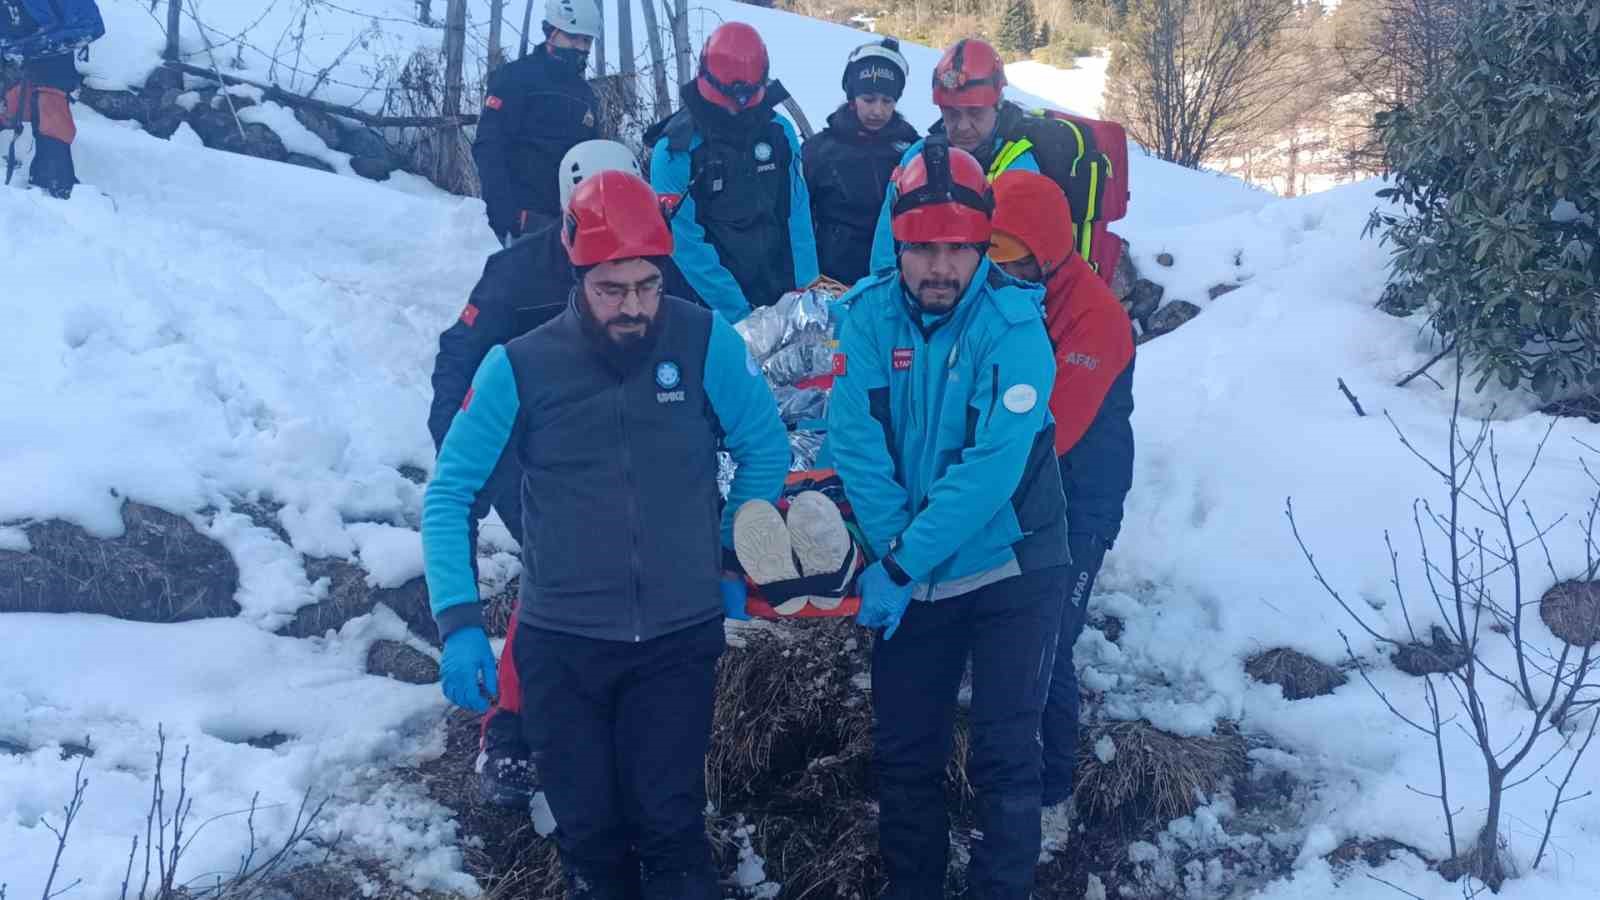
x,y
1009,630
1060,731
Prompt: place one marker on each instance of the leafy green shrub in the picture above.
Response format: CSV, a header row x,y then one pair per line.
x,y
1497,173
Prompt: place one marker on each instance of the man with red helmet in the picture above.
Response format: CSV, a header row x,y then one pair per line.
x,y
969,88
523,286
1092,401
614,410
938,426
743,232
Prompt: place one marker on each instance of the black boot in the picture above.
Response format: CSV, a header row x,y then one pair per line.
x,y
506,774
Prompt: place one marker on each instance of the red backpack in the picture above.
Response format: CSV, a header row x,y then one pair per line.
x,y
1088,158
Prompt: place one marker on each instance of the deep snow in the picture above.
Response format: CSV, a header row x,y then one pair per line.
x,y
236,330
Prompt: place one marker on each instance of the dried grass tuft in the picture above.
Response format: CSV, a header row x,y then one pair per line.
x,y
784,700
1571,610
1154,777
1300,676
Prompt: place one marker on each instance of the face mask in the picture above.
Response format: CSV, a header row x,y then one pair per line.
x,y
572,57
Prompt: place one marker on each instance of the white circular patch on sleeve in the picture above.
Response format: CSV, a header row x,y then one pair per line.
x,y
1019,398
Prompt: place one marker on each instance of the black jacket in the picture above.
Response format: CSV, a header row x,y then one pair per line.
x,y
741,234
847,170
536,110
522,287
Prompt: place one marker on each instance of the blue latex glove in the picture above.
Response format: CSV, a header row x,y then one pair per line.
x,y
882,601
734,594
467,658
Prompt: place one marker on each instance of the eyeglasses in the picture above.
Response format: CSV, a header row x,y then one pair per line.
x,y
613,293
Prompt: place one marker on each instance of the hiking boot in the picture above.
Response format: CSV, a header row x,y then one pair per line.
x,y
506,774
821,542
762,542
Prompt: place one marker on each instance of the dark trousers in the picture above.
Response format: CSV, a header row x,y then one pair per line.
x,y
51,118
1060,730
1009,630
619,732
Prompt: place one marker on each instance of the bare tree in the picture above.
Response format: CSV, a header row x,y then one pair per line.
x,y
1190,78
496,55
680,38
658,60
1478,579
1391,51
527,26
174,22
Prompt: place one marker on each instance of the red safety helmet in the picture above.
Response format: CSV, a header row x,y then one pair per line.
x,y
614,215
943,197
970,73
733,68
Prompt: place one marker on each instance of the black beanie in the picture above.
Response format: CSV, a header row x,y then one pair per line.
x,y
873,75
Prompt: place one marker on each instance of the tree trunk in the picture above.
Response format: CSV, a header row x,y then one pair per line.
x,y
451,143
626,64
658,61
1488,862
527,25
600,44
680,37
174,23
425,12
497,11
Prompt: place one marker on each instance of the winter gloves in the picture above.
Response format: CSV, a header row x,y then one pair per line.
x,y
467,658
883,599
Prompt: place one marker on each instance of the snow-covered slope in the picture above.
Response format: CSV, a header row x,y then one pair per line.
x,y
235,329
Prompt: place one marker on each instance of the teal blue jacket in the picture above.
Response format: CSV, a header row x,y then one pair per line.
x,y
883,238
942,431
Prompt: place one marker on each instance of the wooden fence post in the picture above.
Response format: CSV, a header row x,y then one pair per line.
x,y
680,37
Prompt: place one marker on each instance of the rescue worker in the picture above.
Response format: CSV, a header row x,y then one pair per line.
x,y
523,286
743,233
43,37
939,428
1092,402
613,409
969,88
848,164
535,110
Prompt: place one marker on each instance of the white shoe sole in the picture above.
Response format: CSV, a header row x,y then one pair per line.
x,y
761,541
821,542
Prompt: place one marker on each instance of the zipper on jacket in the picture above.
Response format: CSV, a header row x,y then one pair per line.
x,y
994,395
634,564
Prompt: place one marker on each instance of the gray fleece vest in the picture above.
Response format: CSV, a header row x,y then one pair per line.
x,y
620,505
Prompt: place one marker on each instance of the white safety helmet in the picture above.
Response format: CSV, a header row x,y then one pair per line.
x,y
574,16
592,158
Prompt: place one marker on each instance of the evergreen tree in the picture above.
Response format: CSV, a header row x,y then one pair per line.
x,y
1019,30
1498,173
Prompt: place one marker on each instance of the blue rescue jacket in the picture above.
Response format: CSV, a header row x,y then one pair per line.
x,y
62,26
942,431
883,239
742,234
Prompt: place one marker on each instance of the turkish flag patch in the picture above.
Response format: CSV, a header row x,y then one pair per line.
x,y
900,359
467,400
840,364
493,102
469,316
